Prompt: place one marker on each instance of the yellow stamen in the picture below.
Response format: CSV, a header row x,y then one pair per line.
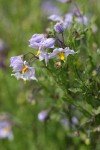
x,y
24,69
38,53
61,55
6,129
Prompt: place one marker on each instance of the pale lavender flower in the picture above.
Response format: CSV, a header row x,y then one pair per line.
x,y
49,8
65,122
39,41
6,130
3,46
36,40
74,121
44,43
68,20
64,1
55,18
16,62
59,27
82,20
62,53
43,115
47,43
22,69
94,28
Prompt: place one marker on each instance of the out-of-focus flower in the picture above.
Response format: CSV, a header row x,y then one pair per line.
x,y
55,18
65,122
5,127
49,8
22,69
82,20
64,1
94,28
3,53
59,27
43,115
74,120
62,53
2,46
68,20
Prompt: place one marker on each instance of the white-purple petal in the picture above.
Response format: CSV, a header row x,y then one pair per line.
x,y
44,56
55,18
28,75
43,115
82,20
16,62
47,43
56,51
36,40
59,27
64,1
5,130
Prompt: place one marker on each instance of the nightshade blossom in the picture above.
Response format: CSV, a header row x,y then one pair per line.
x,y
38,41
82,20
55,18
49,8
6,130
62,53
68,20
59,27
43,115
64,1
22,69
43,43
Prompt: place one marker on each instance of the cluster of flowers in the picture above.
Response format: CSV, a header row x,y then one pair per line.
x,y
22,68
5,127
46,47
65,22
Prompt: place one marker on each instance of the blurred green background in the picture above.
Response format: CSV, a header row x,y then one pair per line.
x,y
19,19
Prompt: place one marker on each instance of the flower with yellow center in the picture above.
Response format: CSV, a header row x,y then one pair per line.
x,y
24,69
61,55
61,52
38,53
6,129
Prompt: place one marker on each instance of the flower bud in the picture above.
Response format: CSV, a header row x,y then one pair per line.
x,y
59,27
43,115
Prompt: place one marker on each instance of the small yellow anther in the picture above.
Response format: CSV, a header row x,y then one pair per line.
x,y
38,53
61,55
6,129
24,69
